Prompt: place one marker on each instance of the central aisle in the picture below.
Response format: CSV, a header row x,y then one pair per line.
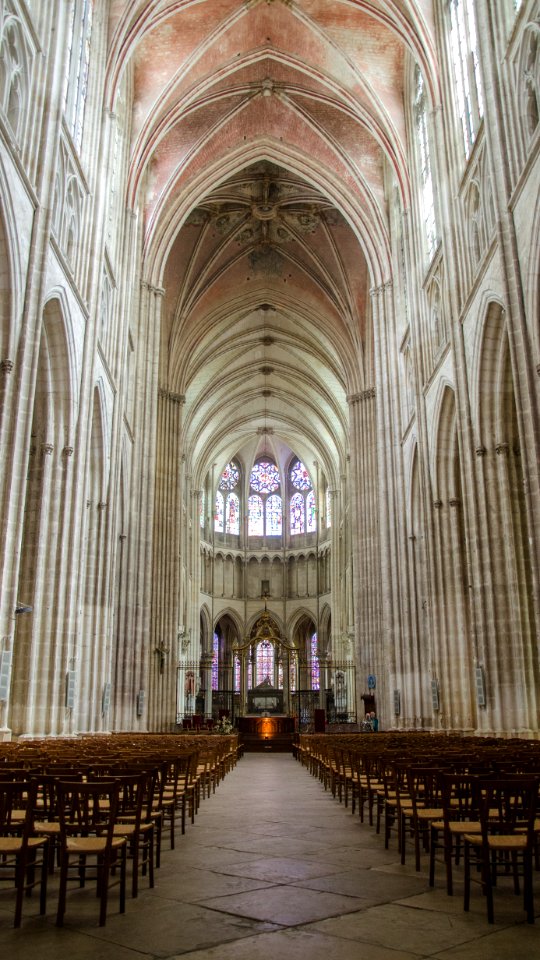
x,y
275,868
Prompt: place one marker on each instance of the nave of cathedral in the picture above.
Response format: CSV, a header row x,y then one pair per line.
x,y
269,365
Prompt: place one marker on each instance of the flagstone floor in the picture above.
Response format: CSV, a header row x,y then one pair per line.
x,y
274,867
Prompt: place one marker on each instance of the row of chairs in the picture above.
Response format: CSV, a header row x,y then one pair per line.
x,y
90,818
477,806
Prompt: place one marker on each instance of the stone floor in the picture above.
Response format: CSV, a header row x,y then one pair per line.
x,y
274,867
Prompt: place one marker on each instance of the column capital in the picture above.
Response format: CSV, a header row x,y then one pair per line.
x,y
165,394
381,288
368,394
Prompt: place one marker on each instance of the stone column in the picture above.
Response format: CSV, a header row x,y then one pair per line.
x,y
206,667
365,544
168,556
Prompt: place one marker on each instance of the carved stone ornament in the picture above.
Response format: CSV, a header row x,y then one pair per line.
x,y
6,366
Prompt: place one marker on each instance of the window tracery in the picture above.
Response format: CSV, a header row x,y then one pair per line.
x,y
302,505
466,68
530,80
265,509
15,62
77,67
227,513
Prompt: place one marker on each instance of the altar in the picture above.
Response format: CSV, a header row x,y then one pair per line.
x,y
272,733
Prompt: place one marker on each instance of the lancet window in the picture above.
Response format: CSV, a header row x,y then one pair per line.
x,y
227,512
302,512
427,201
265,508
468,82
78,60
315,668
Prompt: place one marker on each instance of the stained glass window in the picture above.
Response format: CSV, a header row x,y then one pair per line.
x,y
237,674
264,477
315,669
311,517
201,509
78,61
232,514
218,517
215,663
292,671
255,516
230,477
300,478
328,508
274,516
265,662
298,514
464,48
427,201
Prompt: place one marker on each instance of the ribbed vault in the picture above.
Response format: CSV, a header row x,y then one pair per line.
x,y
264,134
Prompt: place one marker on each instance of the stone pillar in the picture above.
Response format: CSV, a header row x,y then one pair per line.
x,y
365,545
168,558
206,668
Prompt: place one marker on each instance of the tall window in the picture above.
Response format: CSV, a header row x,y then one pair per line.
x,y
302,512
315,669
265,662
427,202
328,508
219,511
78,61
464,48
227,515
215,662
265,509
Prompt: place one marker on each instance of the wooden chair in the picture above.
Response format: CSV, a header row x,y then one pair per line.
x,y
135,822
19,848
424,793
505,846
460,816
87,813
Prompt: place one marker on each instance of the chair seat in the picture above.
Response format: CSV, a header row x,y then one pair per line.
x,y
427,813
459,827
47,826
92,844
10,845
512,841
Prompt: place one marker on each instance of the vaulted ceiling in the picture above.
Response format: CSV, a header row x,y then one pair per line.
x,y
264,134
